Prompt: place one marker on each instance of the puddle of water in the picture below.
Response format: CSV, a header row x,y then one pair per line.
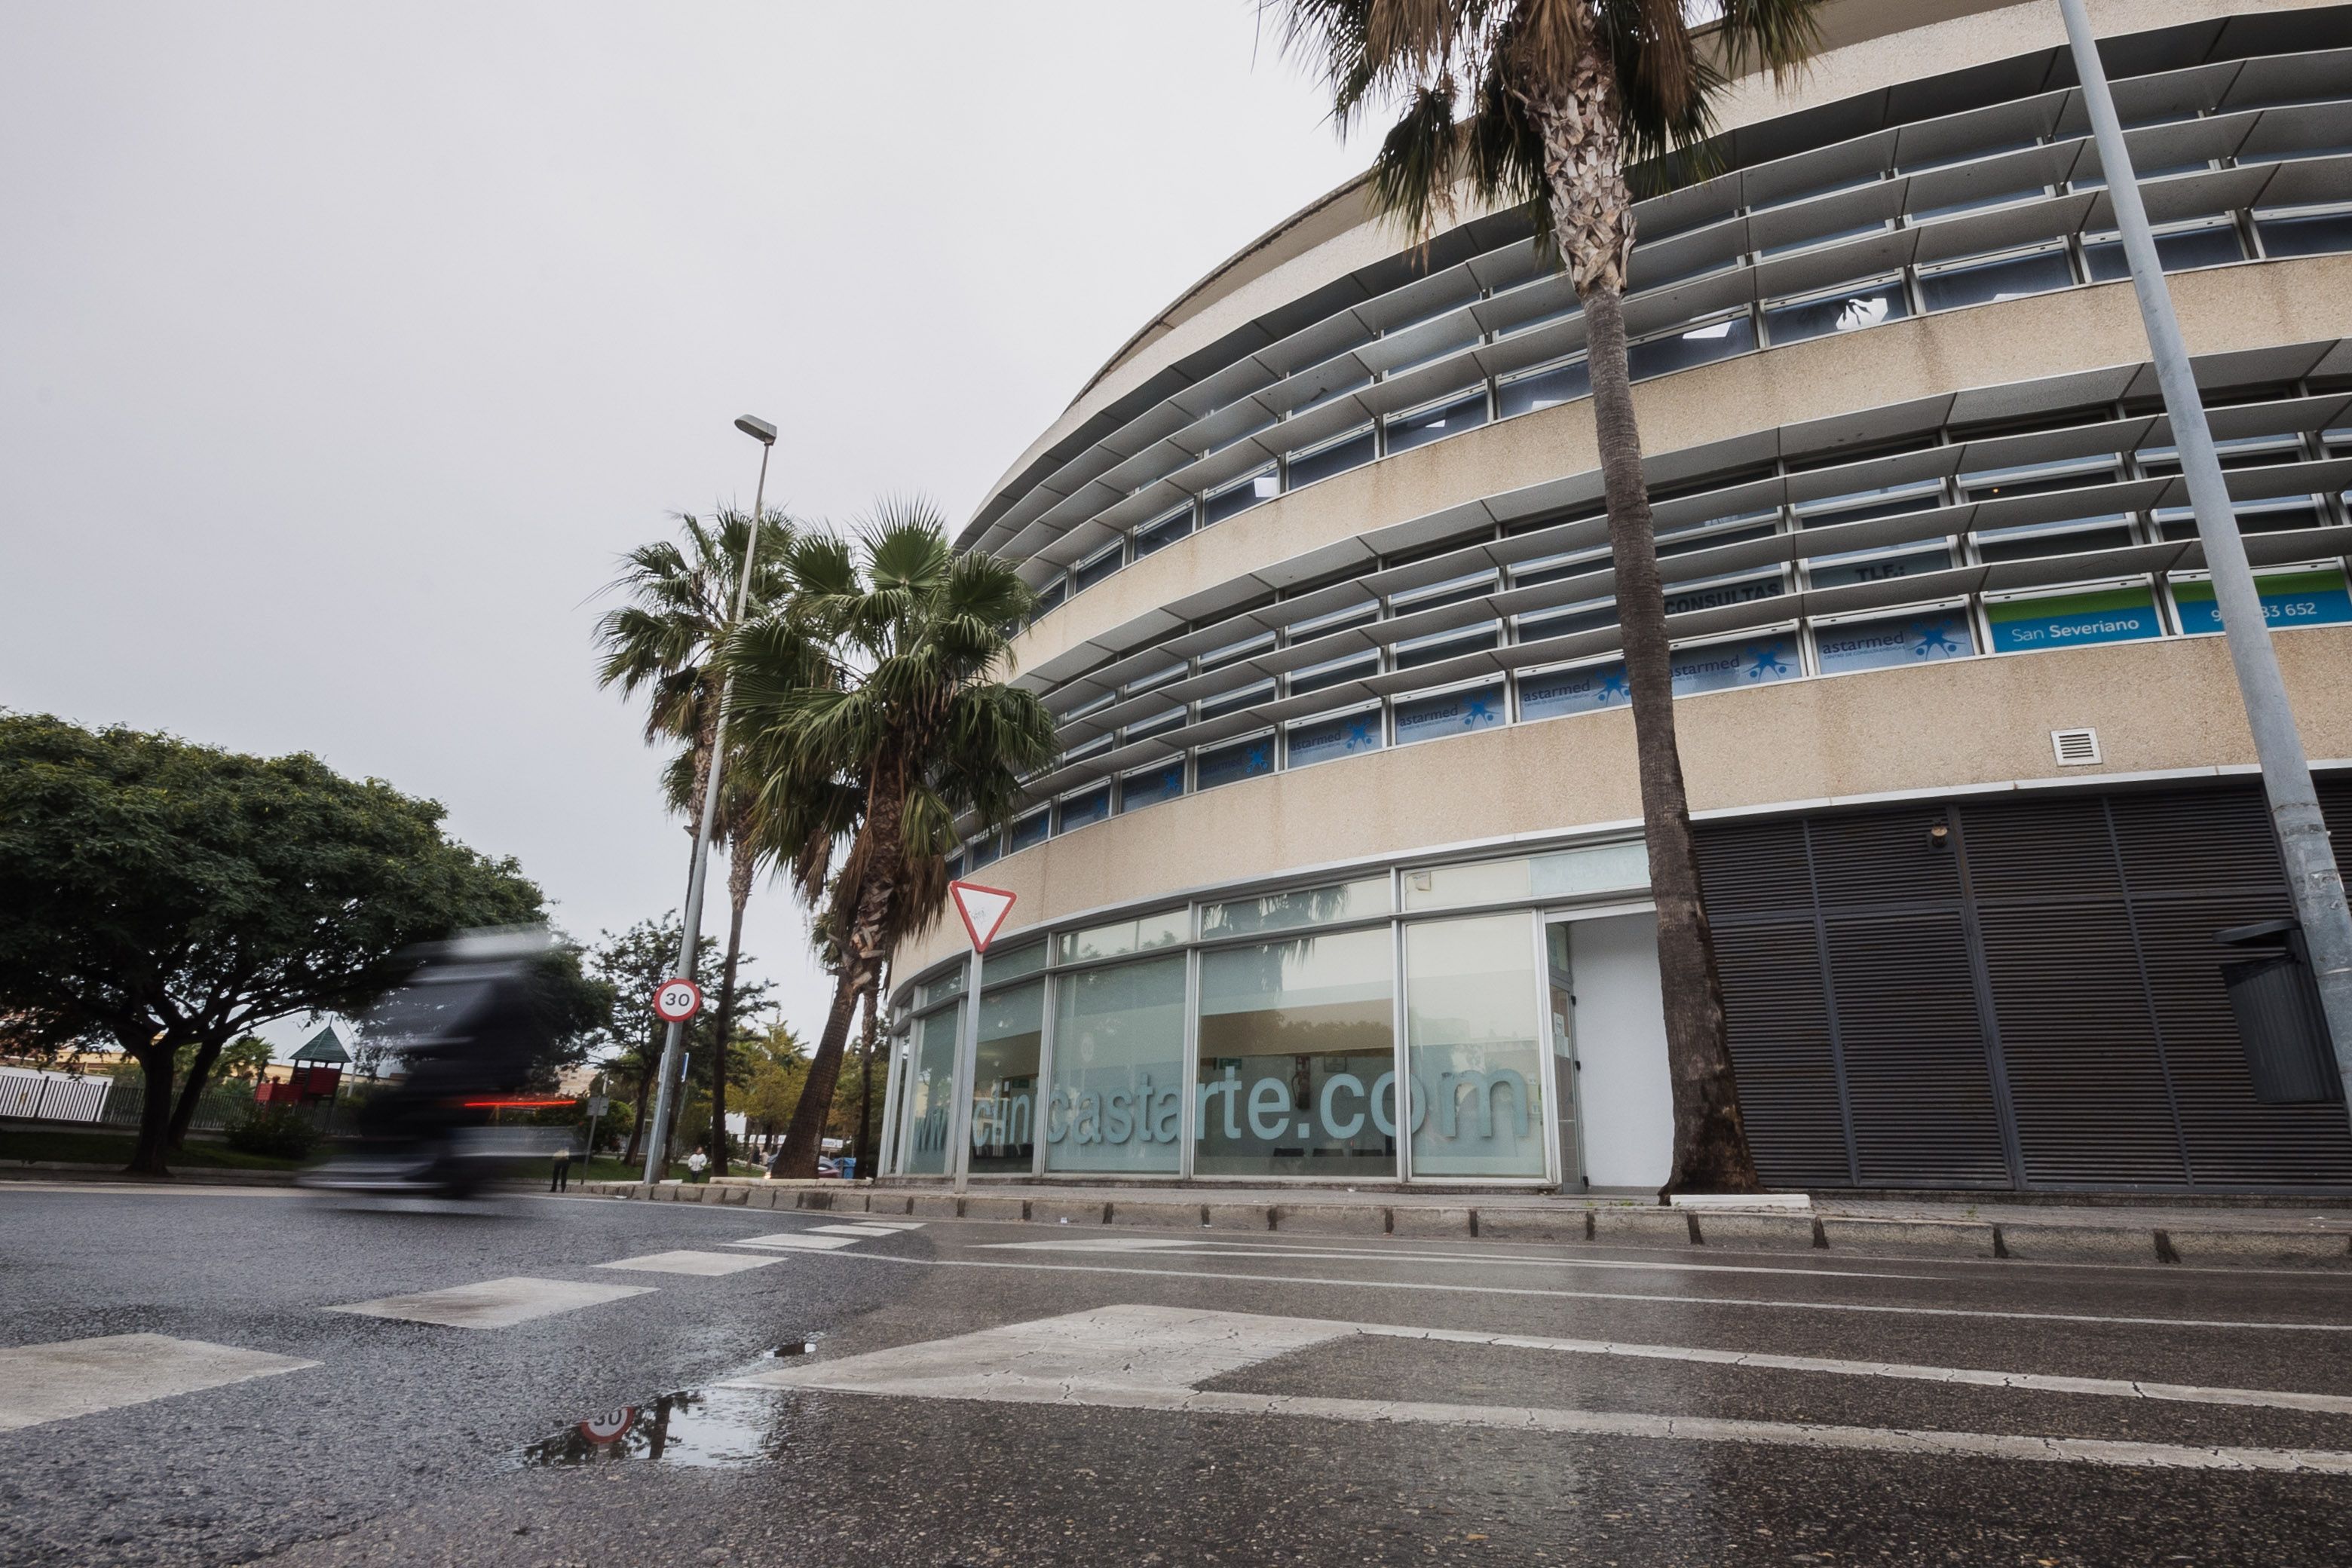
x,y
700,1426
695,1426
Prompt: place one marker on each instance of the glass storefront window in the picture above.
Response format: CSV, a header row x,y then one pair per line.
x,y
1915,636
1721,666
1601,868
1478,882
1298,907
1015,963
931,1088
1474,1049
1142,935
1297,1059
1005,1078
1119,1070
2069,620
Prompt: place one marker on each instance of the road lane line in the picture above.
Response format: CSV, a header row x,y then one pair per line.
x,y
2044,1382
493,1303
853,1230
687,1262
59,1380
1139,1357
1760,1301
795,1240
1176,1248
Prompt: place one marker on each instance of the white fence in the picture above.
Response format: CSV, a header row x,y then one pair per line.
x,y
52,1096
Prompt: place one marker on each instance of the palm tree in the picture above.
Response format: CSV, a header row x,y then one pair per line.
x,y
667,639
1552,105
907,730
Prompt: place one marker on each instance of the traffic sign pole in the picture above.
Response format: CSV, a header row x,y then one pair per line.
x,y
983,911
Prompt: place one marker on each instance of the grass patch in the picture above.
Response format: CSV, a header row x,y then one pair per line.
x,y
114,1148
603,1169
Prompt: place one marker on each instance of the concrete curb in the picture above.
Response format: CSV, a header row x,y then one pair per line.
x,y
1625,1226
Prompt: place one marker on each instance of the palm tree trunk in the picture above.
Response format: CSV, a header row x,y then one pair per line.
x,y
885,832
740,858
1593,218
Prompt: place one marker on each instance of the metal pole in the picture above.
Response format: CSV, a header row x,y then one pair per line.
x,y
674,1037
2313,879
967,1067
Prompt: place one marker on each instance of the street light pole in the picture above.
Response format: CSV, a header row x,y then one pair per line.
x,y
674,1036
2313,879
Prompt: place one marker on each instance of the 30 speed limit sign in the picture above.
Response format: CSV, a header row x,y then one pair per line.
x,y
677,1001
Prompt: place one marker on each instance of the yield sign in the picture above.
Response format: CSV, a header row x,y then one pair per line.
x,y
983,911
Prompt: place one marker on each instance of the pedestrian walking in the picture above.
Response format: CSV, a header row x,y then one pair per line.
x,y
696,1164
561,1180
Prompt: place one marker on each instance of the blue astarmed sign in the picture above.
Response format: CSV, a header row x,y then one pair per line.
x,y
2289,599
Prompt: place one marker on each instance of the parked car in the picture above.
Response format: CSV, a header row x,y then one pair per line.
x,y
828,1168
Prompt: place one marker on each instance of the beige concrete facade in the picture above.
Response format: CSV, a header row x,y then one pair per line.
x,y
2305,299
2158,707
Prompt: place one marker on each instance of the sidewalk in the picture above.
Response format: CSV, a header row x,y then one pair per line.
x,y
2225,1237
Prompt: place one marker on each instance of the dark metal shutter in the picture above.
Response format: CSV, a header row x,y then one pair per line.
x,y
1915,1052
1759,903
2086,1084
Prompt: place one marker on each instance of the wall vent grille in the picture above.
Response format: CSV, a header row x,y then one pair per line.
x,y
2075,748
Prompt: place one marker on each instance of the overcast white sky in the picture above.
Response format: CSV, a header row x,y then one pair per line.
x,y
342,346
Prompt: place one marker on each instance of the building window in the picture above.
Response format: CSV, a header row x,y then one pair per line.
x,y
1460,413
1984,282
1094,568
1297,908
2178,250
1159,536
1298,1059
1914,636
1320,739
1584,690
2073,620
1846,310
1230,763
1450,714
2303,234
1533,391
1118,1099
931,1088
1691,347
1087,805
1349,451
1232,499
1151,785
1029,831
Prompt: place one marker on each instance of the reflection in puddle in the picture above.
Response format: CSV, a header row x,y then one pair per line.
x,y
701,1426
790,1347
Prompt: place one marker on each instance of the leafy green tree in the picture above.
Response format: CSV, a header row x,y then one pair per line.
x,y
875,703
667,641
634,964
1553,106
163,895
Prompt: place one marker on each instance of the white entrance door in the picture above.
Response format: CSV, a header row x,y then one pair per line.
x,y
1619,1038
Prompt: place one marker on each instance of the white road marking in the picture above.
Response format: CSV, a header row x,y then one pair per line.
x,y
493,1303
895,1224
1185,1247
853,1230
1760,1301
795,1240
1151,1358
687,1262
2042,1383
81,1377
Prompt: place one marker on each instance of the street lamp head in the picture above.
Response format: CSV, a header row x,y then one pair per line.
x,y
760,430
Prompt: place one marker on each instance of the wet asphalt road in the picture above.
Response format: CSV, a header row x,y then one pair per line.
x,y
406,1442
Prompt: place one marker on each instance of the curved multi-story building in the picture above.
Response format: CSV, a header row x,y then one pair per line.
x,y
1349,795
